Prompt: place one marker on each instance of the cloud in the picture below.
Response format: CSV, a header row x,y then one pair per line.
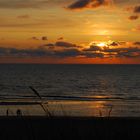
x,y
114,44
65,44
23,16
114,49
3,51
93,48
66,49
94,55
49,45
136,9
14,52
67,53
91,4
128,54
137,43
45,50
124,52
44,38
134,17
129,49
80,4
34,38
38,52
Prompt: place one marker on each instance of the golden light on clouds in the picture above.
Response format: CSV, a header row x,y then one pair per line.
x,y
70,30
102,44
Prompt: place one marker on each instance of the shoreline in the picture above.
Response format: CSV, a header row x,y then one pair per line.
x,y
66,128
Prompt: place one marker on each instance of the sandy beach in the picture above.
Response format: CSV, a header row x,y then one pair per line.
x,y
64,128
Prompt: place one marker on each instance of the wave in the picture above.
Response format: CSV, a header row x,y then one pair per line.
x,y
96,98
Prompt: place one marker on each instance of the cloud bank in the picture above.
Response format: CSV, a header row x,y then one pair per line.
x,y
62,49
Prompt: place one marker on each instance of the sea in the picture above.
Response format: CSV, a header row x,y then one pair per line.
x,y
73,90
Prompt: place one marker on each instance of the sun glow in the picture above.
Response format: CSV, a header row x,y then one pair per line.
x,y
102,44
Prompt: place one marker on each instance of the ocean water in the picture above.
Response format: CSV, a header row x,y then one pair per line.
x,y
95,87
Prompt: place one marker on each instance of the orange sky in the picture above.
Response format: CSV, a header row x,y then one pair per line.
x,y
70,61
60,31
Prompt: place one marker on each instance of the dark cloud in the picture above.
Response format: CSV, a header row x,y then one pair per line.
x,y
137,43
130,49
128,54
94,55
65,44
39,52
81,4
134,17
44,38
14,52
50,49
49,45
124,52
114,44
3,51
66,49
137,9
93,48
67,53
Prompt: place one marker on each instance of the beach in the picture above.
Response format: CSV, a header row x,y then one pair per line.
x,y
90,102
68,128
71,108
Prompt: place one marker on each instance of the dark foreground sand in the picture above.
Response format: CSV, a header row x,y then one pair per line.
x,y
62,128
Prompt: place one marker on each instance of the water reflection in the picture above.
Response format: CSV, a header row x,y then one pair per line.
x,y
77,108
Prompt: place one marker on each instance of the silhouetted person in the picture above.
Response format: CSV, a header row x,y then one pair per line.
x,y
19,113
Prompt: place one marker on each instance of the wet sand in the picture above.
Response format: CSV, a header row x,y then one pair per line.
x,y
68,128
73,108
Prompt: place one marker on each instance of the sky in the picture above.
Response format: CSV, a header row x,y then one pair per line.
x,y
70,31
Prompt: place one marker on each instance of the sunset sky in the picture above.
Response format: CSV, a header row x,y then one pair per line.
x,y
70,31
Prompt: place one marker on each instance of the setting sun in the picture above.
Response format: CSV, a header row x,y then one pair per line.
x,y
102,44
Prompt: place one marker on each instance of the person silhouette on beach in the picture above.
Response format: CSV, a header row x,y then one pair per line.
x,y
19,113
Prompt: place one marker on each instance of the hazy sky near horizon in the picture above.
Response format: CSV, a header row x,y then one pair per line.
x,y
70,31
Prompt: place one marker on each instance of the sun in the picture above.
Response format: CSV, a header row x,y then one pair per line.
x,y
102,44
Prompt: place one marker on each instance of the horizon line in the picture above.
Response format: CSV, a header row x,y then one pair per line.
x,y
66,64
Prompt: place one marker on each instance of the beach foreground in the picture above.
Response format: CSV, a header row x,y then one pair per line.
x,y
64,128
